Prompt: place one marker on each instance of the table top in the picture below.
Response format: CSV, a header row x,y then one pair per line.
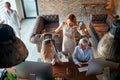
x,y
69,71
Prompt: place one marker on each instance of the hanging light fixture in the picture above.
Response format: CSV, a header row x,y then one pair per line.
x,y
12,49
109,45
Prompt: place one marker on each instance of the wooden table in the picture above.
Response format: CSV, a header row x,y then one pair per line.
x,y
69,71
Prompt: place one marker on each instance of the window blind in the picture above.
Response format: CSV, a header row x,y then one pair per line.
x,y
2,8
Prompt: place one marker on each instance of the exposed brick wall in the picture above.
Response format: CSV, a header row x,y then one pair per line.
x,y
64,7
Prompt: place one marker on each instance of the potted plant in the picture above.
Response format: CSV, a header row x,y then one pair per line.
x,y
10,76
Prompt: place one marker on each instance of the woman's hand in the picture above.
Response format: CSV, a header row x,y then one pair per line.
x,y
75,27
53,61
46,33
80,64
70,54
58,61
52,32
85,63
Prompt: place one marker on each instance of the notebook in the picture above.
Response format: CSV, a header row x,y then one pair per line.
x,y
82,69
97,66
38,70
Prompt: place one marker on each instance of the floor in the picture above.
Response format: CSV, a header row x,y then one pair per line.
x,y
26,29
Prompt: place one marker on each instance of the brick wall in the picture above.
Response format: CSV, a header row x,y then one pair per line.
x,y
64,7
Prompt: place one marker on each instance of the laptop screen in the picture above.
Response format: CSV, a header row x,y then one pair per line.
x,y
97,66
39,70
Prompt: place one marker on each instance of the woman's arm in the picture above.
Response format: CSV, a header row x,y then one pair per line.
x,y
17,20
58,29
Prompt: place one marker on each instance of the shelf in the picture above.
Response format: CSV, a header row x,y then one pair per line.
x,y
94,4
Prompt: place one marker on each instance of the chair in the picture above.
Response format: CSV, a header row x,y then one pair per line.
x,y
99,25
48,23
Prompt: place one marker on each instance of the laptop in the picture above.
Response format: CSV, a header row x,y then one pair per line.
x,y
34,70
97,66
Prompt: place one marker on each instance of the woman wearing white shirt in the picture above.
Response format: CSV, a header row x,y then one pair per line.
x,y
11,18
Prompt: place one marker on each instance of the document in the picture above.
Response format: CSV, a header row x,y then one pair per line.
x,y
82,69
62,57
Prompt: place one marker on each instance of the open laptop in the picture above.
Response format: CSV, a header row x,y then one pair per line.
x,y
34,70
97,66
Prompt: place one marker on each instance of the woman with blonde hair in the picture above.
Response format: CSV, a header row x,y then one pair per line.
x,y
48,52
11,18
69,29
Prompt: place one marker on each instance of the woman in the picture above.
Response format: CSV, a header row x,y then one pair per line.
x,y
48,52
83,33
69,29
11,18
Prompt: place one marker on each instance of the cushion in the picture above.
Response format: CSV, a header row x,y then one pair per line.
x,y
100,27
50,18
100,18
51,26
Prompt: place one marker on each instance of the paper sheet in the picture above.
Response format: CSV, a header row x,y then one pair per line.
x,y
62,57
82,69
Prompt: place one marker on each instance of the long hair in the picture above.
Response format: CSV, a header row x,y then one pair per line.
x,y
46,50
72,18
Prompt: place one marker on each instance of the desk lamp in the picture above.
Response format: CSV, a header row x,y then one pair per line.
x,y
12,49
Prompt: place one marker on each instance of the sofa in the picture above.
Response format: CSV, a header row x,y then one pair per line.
x,y
99,25
48,23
